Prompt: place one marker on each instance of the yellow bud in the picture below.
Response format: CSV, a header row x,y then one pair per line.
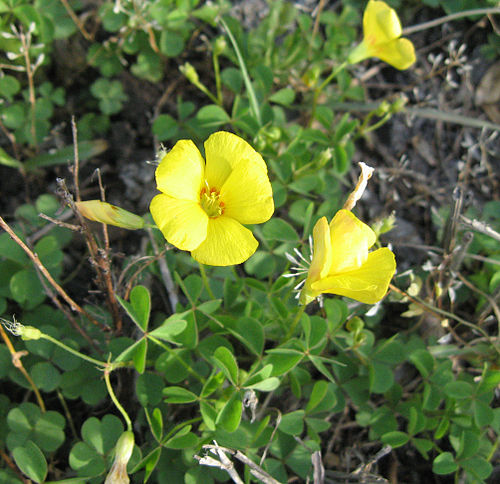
x,y
109,214
29,333
123,452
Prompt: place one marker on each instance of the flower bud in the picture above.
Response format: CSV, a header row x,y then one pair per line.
x,y
324,157
399,104
190,72
311,77
109,214
220,45
123,451
383,108
29,333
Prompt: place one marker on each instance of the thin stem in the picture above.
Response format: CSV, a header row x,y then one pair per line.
x,y
246,78
205,280
205,91
165,274
26,41
34,257
420,112
291,330
363,130
76,20
319,10
102,364
447,18
16,361
76,157
218,85
115,400
320,88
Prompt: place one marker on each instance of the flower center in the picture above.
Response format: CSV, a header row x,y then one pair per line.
x,y
209,200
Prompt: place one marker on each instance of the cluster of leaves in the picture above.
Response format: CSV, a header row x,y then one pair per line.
x,y
235,361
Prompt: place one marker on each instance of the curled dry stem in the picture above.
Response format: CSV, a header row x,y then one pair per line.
x,y
227,465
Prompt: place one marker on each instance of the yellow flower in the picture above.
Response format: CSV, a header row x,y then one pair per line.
x,y
342,265
109,214
382,32
203,204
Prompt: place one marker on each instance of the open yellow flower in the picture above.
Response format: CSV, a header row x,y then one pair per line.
x,y
342,265
203,205
382,38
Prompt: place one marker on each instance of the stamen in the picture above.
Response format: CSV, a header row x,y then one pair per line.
x,y
300,255
291,258
209,201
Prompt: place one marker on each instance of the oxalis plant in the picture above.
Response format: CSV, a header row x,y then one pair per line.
x,y
247,378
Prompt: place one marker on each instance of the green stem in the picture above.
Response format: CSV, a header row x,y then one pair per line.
x,y
291,330
102,364
427,113
364,129
204,90
115,400
218,85
205,280
493,450
320,88
246,78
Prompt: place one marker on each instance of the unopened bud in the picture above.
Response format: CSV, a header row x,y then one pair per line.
x,y
18,329
399,104
29,333
324,157
123,452
220,45
273,133
383,108
109,214
190,72
310,78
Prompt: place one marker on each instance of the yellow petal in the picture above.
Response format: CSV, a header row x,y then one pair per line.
x,y
180,173
321,261
322,250
109,214
350,239
368,284
380,23
399,53
182,222
223,151
247,194
227,243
